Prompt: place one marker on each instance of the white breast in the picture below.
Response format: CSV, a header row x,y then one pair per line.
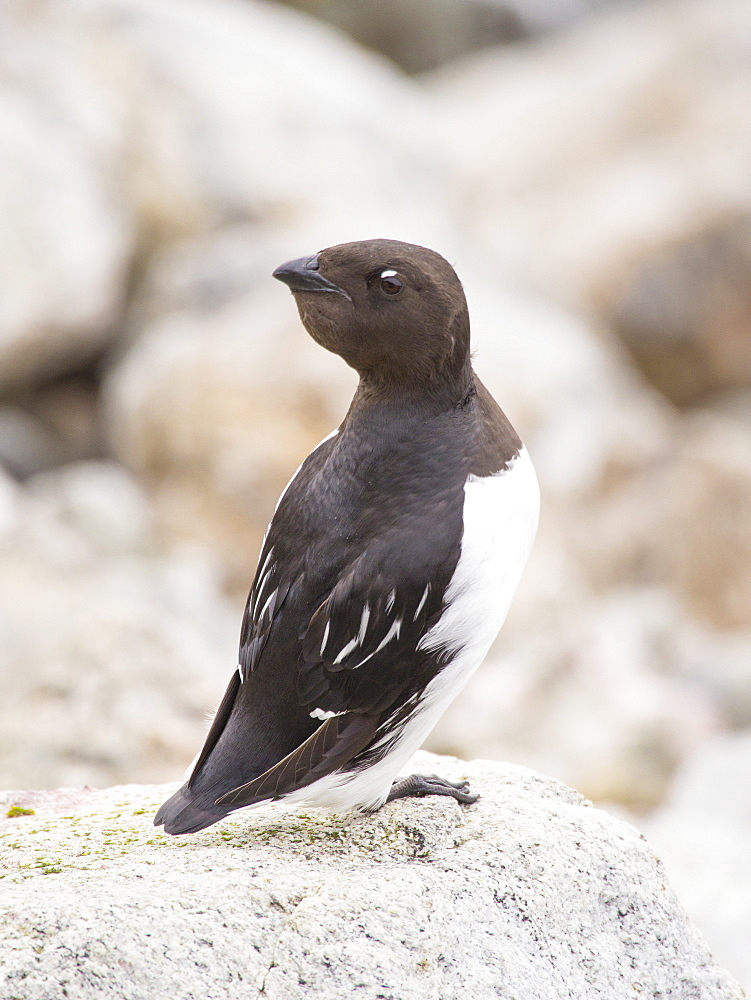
x,y
500,522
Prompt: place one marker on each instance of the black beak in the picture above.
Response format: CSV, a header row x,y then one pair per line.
x,y
302,275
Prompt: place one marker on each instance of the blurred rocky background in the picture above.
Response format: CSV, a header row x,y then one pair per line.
x,y
586,166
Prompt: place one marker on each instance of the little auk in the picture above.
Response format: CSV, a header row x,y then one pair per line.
x,y
390,562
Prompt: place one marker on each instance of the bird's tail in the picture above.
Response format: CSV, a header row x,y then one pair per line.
x,y
182,814
189,810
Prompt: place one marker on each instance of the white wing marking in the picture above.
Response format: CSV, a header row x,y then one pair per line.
x,y
260,590
358,639
325,637
352,644
263,579
270,598
265,564
423,599
392,633
363,624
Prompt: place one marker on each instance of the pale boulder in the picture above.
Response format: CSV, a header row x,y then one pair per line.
x,y
530,892
579,154
702,832
683,519
246,111
111,650
127,124
67,238
684,310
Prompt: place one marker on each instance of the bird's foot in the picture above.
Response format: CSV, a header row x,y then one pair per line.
x,y
431,784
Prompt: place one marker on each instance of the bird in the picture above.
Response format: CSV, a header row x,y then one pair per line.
x,y
390,562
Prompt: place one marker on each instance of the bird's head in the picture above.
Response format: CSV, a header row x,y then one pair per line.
x,y
394,311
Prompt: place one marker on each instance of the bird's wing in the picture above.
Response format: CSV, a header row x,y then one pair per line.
x,y
372,619
280,564
360,648
334,743
359,653
272,583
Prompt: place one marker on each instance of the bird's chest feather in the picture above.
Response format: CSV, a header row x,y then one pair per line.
x,y
499,525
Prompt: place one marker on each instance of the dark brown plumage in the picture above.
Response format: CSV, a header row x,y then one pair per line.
x,y
366,613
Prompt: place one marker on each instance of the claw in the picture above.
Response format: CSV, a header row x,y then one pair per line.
x,y
420,785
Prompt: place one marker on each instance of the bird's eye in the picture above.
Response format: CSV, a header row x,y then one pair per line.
x,y
390,283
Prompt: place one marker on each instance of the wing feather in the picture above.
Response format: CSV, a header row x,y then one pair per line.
x,y
333,744
361,644
265,601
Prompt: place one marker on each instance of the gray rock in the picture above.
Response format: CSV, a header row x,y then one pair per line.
x,y
111,649
67,235
127,124
26,446
683,519
530,893
734,403
703,832
246,111
57,423
581,154
685,312
421,34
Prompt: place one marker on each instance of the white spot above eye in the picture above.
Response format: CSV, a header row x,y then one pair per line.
x,y
388,274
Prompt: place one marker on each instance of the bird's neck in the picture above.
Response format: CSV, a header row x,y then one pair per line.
x,y
447,391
